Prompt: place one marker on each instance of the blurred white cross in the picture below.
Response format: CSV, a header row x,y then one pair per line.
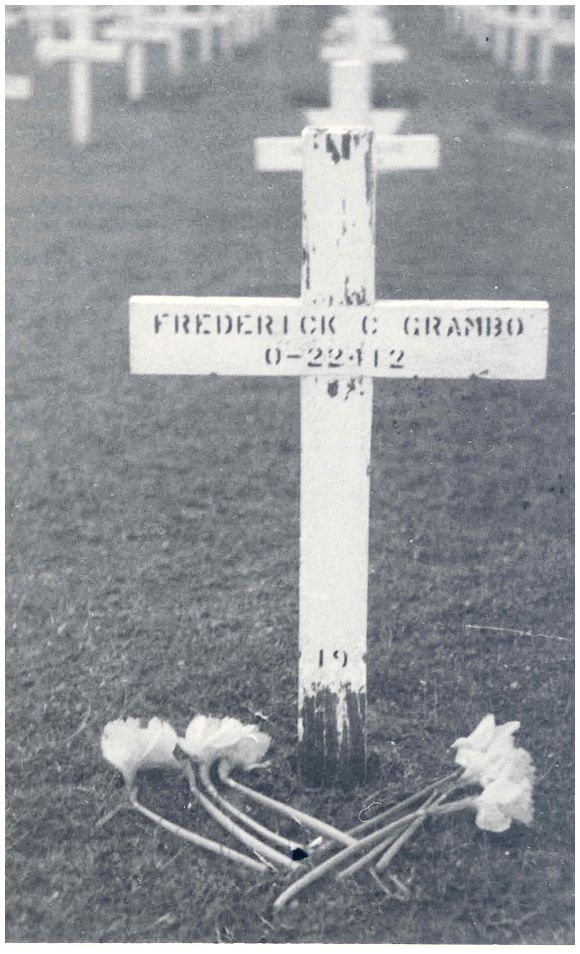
x,y
351,101
81,50
362,35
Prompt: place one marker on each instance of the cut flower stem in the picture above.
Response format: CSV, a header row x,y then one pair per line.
x,y
302,818
214,846
393,842
400,806
247,820
254,844
368,841
456,806
336,860
379,819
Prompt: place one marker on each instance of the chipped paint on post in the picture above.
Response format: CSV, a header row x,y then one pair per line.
x,y
338,269
332,753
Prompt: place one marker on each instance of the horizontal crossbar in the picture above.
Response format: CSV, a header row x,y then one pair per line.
x,y
129,32
177,21
274,337
393,153
49,50
385,122
387,53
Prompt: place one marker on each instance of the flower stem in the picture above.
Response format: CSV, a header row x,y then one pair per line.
x,y
456,806
395,846
247,820
376,796
199,840
400,806
358,830
393,840
261,849
436,809
345,855
369,857
302,818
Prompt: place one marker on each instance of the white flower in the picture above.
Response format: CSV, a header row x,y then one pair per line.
x,y
502,801
505,772
486,753
131,747
249,751
208,739
480,737
521,766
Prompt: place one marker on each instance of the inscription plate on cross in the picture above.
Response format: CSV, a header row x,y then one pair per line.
x,y
390,339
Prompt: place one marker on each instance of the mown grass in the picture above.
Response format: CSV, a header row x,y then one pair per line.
x,y
153,524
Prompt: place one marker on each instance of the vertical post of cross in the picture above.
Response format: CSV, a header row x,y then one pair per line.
x,y
502,24
136,68
80,76
206,34
521,41
175,58
351,101
338,262
137,28
546,44
350,88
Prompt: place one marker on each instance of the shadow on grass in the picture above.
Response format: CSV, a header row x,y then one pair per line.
x,y
542,109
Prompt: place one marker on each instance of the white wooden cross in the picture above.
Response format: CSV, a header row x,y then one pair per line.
x,y
342,28
364,40
336,338
81,51
180,20
46,20
135,31
249,21
526,21
223,20
351,101
551,31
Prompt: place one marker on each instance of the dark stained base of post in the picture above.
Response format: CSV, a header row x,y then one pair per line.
x,y
326,762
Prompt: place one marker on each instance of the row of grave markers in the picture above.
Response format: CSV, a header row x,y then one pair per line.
x,y
108,34
336,338
509,33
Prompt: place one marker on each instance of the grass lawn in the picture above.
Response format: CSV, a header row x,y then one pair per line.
x,y
153,523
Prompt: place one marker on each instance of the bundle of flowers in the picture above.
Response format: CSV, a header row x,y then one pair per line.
x,y
212,749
